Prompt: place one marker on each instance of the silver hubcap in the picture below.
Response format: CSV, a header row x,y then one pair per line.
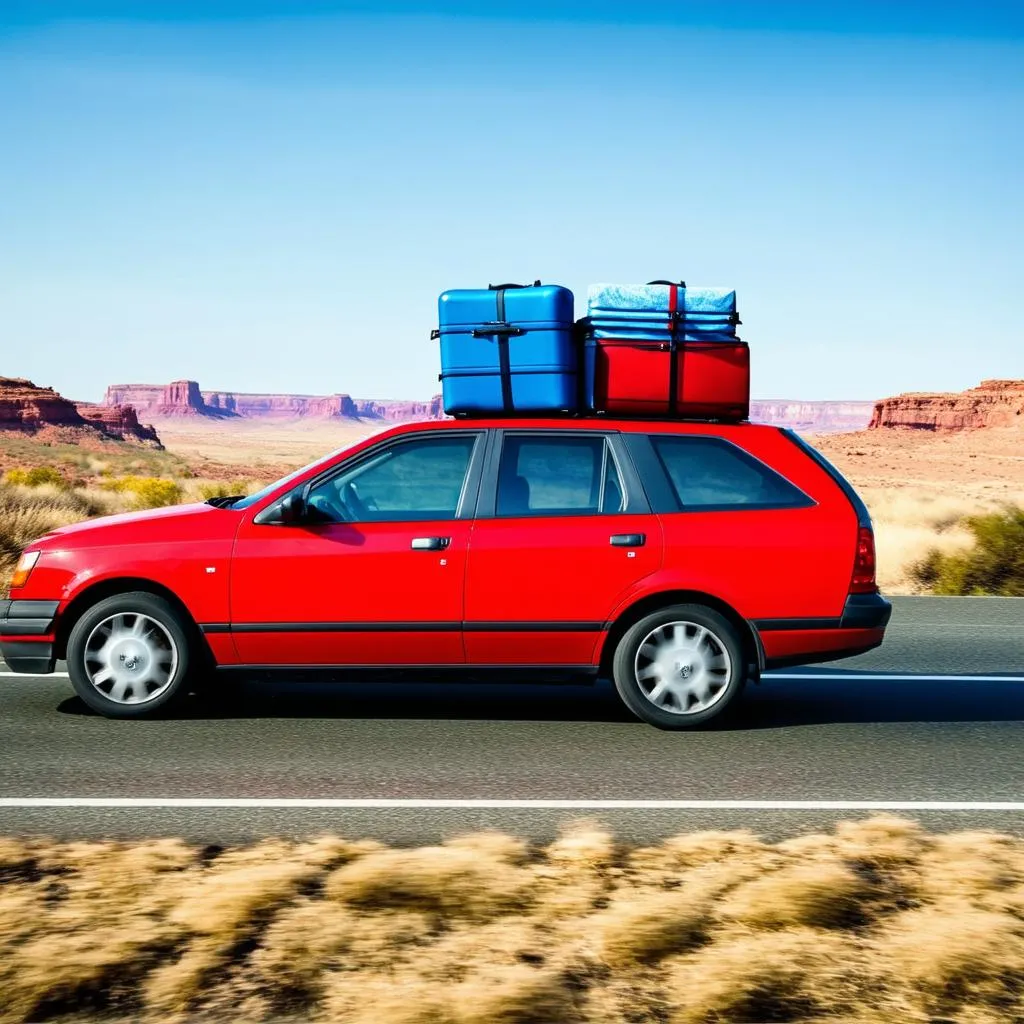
x,y
130,658
683,668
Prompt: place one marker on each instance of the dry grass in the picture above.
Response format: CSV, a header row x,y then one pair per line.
x,y
909,522
876,920
29,512
26,513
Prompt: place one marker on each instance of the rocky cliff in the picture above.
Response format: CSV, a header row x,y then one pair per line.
x,y
29,409
994,403
184,398
819,417
179,398
232,403
397,411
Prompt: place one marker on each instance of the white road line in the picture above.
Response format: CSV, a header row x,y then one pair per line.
x,y
319,803
895,677
839,674
25,675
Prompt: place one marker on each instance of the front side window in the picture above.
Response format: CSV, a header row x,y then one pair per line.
x,y
708,472
409,480
557,475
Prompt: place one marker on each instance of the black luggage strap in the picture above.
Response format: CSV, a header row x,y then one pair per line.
x,y
497,327
677,321
503,331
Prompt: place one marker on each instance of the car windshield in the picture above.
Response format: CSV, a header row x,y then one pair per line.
x,y
252,499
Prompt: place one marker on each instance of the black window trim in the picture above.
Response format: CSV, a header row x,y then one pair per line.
x,y
468,497
635,503
863,516
662,494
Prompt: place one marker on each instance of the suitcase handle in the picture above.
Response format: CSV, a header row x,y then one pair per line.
x,y
682,284
501,287
507,330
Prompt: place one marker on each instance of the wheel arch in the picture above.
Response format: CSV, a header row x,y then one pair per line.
x,y
753,650
100,590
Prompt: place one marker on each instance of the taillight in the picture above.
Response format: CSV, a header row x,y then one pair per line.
x,y
863,581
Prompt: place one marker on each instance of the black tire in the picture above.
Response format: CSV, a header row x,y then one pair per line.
x,y
178,639
724,689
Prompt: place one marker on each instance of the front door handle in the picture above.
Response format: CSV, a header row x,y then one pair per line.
x,y
628,540
430,543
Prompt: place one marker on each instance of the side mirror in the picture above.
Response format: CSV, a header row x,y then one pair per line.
x,y
293,508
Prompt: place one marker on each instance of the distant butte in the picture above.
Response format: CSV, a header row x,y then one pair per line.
x,y
994,403
816,417
183,398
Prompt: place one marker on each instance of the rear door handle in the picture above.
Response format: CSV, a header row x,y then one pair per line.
x,y
628,540
430,543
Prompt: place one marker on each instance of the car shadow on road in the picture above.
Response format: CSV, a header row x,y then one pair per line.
x,y
772,704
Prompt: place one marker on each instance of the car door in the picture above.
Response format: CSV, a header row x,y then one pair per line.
x,y
563,530
374,574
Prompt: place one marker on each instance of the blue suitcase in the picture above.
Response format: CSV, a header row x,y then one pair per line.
x,y
654,311
508,349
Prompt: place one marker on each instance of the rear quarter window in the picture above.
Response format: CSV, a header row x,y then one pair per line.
x,y
710,473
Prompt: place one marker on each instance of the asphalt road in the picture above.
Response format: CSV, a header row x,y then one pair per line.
x,y
935,716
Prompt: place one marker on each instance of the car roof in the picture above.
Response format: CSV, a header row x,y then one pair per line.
x,y
636,425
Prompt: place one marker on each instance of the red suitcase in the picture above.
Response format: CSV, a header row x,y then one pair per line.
x,y
692,379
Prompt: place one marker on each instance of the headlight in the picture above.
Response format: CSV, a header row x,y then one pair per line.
x,y
24,568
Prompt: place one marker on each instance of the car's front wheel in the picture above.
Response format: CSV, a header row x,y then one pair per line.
x,y
129,655
680,666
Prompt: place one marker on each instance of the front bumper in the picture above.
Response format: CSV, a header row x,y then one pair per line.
x,y
26,635
31,657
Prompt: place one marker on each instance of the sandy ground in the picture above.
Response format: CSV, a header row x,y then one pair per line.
x,y
274,448
984,464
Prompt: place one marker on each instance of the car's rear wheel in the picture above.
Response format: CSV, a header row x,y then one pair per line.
x,y
680,666
129,655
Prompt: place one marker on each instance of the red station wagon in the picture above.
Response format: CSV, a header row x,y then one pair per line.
x,y
679,558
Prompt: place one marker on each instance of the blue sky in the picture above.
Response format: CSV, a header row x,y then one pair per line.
x,y
269,196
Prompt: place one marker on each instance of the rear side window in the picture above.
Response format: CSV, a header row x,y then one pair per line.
x,y
713,474
557,475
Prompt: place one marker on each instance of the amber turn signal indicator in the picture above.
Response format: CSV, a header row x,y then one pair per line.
x,y
24,568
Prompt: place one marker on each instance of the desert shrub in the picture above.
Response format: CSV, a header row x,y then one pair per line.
x,y
645,928
993,566
222,490
957,954
38,476
797,975
822,894
476,877
148,491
